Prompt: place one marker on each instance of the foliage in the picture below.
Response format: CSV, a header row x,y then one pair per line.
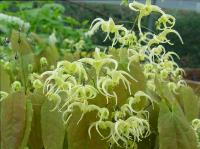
x,y
46,19
131,95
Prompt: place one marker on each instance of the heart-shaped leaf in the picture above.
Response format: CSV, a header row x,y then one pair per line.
x,y
174,130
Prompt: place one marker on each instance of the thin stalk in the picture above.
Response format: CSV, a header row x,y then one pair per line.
x,y
22,65
148,2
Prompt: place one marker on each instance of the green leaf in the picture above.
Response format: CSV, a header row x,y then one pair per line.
x,y
53,129
189,102
35,140
78,137
148,143
174,130
13,120
164,91
137,73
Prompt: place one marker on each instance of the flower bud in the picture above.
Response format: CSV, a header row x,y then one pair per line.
x,y
43,61
164,74
30,68
16,86
148,67
37,84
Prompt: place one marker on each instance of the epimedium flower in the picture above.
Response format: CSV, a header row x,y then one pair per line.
x,y
175,86
83,92
106,84
73,68
123,131
162,37
129,39
58,82
37,84
196,124
134,128
79,93
84,108
158,50
102,125
3,95
118,75
166,21
138,95
196,127
100,59
136,56
108,27
120,114
43,61
144,10
128,107
145,38
16,86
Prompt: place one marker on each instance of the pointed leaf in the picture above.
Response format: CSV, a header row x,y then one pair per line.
x,y
190,103
174,130
35,139
13,120
78,137
53,129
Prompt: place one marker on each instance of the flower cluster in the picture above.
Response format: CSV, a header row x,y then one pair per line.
x,y
78,84
71,86
196,127
14,20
